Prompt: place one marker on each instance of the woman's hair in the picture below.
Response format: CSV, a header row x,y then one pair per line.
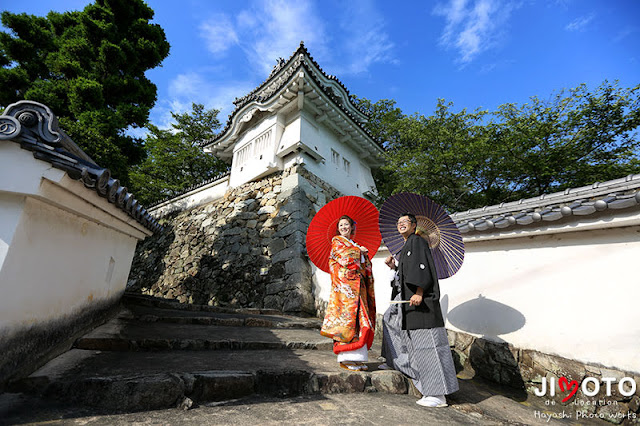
x,y
351,222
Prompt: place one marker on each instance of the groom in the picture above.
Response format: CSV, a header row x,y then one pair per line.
x,y
415,340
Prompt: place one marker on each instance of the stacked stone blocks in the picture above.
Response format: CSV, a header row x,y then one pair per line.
x,y
244,250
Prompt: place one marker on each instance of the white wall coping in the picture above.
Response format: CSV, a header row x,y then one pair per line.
x,y
189,199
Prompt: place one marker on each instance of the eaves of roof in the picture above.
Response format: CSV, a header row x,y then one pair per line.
x,y
283,74
35,128
613,195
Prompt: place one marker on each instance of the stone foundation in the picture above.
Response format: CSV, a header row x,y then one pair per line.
x,y
527,369
244,250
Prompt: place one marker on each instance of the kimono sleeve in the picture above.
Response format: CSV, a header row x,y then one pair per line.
x,y
342,254
419,269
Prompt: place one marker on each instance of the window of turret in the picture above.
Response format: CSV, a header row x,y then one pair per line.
x,y
335,157
347,165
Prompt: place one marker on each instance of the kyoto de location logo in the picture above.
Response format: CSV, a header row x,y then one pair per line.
x,y
572,386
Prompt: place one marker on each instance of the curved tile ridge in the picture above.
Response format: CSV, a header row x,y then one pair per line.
x,y
282,63
582,201
35,128
276,80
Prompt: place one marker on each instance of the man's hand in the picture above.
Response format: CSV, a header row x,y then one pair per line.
x,y
390,262
415,300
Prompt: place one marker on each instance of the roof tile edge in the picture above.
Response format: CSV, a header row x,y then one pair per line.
x,y
615,194
281,65
35,127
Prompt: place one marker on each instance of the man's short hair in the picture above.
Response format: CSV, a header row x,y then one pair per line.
x,y
411,217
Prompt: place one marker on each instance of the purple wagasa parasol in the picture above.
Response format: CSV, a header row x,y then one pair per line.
x,y
434,225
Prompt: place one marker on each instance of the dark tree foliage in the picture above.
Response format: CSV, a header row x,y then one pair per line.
x,y
88,67
174,159
467,160
575,138
384,116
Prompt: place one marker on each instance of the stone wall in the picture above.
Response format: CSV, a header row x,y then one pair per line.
x,y
246,249
527,369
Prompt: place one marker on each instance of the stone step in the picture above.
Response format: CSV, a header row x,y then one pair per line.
x,y
143,300
132,335
131,381
235,319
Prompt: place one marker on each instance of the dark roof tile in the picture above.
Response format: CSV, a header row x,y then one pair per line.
x,y
35,128
615,194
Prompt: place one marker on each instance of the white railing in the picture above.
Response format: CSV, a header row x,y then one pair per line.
x,y
262,144
254,150
242,156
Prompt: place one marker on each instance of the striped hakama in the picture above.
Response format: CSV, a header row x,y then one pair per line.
x,y
423,355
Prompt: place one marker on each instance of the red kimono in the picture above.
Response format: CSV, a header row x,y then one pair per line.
x,y
351,313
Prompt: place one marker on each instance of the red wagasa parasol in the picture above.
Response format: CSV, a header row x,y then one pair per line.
x,y
324,226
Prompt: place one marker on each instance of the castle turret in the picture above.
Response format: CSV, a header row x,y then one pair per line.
x,y
299,115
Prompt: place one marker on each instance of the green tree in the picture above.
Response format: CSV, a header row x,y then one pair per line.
x,y
88,67
382,117
467,160
575,138
429,155
174,159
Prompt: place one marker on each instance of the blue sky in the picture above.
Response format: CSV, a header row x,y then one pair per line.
x,y
475,53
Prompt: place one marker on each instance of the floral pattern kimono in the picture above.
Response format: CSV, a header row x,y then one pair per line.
x,y
351,311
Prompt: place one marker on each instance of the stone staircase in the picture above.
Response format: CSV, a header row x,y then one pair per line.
x,y
159,354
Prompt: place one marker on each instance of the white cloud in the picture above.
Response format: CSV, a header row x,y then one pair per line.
x,y
371,47
473,27
454,14
580,24
265,30
187,85
274,28
199,87
488,68
366,41
218,33
624,33
495,66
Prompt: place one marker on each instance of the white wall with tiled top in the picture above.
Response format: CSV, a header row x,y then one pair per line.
x,y
573,294
63,248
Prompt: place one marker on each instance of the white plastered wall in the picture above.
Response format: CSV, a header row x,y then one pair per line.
x,y
356,181
290,129
197,197
572,294
62,247
256,163
58,263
